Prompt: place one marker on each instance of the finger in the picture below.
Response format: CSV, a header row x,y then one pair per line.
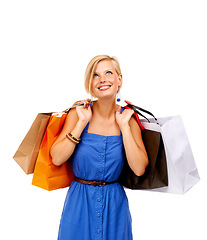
x,y
128,102
118,109
81,105
84,103
130,112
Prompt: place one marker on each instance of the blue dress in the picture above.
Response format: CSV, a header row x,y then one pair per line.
x,y
101,212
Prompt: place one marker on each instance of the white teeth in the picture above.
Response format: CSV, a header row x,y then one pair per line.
x,y
104,87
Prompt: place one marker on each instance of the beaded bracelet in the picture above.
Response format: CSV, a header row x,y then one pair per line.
x,y
72,138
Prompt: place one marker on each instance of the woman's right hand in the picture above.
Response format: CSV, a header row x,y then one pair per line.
x,y
83,110
75,122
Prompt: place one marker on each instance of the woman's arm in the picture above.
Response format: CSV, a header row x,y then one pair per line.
x,y
75,122
134,147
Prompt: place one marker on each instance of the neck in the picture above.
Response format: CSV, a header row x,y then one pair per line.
x,y
105,107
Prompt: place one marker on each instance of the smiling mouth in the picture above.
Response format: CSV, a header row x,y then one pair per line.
x,y
103,88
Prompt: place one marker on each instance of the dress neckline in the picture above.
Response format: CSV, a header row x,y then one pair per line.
x,y
95,134
86,131
99,135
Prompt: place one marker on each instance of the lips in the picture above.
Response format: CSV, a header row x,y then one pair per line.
x,y
104,87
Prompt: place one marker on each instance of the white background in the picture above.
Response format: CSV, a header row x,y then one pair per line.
x,y
45,47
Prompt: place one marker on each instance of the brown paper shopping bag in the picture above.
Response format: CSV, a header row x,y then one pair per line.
x,y
27,152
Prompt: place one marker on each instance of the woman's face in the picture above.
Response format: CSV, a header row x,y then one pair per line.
x,y
106,81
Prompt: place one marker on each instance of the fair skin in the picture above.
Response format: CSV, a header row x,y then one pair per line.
x,y
104,119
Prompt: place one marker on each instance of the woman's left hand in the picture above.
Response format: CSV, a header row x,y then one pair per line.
x,y
123,118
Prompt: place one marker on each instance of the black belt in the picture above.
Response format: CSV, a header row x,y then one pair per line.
x,y
94,183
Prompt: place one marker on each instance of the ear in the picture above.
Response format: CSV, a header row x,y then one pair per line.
x,y
120,80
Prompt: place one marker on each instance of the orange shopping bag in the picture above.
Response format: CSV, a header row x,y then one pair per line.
x,y
46,174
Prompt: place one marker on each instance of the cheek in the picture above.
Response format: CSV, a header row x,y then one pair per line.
x,y
93,84
112,79
115,81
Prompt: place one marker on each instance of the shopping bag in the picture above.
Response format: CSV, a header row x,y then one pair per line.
x,y
46,174
182,171
27,152
155,175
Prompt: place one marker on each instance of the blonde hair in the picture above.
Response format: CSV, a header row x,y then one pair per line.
x,y
90,69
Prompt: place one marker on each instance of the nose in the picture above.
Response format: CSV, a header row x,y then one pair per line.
x,y
102,79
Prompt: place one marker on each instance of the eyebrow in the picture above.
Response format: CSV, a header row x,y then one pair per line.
x,y
105,71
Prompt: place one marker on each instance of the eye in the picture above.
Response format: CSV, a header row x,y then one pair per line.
x,y
108,73
95,75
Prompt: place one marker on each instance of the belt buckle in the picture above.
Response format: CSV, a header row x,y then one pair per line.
x,y
101,183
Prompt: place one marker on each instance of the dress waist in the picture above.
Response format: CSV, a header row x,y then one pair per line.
x,y
94,183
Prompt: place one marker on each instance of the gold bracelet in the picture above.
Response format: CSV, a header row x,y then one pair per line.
x,y
72,138
68,136
77,139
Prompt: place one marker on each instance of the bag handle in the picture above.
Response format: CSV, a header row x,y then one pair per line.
x,y
74,105
137,118
135,108
138,109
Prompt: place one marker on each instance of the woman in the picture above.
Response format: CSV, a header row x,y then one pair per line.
x,y
97,140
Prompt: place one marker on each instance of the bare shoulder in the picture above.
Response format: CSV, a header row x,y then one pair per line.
x,y
72,113
135,129
72,119
136,132
134,125
69,124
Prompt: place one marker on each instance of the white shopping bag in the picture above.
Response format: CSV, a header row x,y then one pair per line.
x,y
182,170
